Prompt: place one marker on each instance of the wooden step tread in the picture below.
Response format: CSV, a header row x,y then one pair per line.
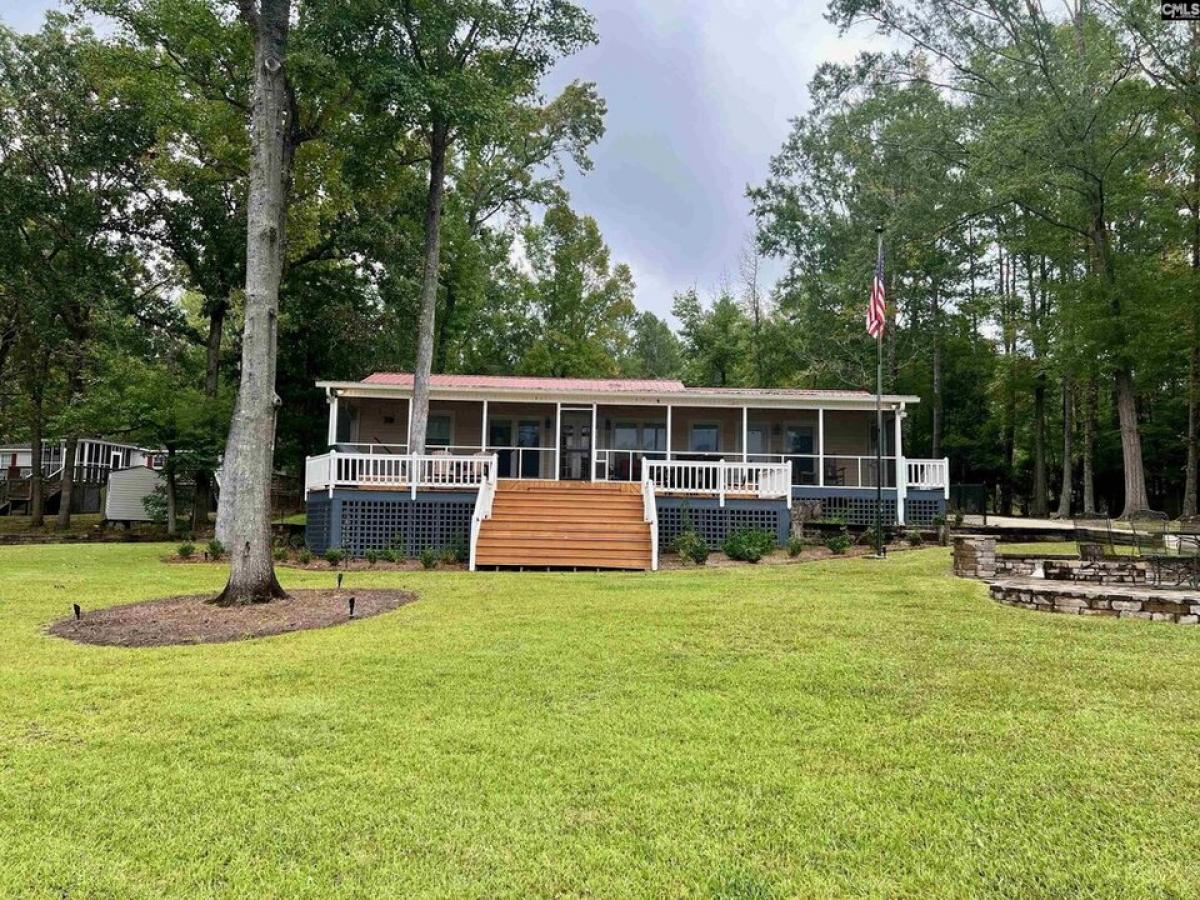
x,y
582,562
537,532
585,546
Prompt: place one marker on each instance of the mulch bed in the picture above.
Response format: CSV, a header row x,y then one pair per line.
x,y
193,620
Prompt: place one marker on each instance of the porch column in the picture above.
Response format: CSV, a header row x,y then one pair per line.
x,y
592,452
408,427
669,431
901,469
333,417
483,429
821,447
557,436
745,433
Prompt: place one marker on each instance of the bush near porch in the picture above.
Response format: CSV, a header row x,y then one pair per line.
x,y
850,726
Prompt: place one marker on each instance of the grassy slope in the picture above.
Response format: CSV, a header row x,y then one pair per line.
x,y
849,726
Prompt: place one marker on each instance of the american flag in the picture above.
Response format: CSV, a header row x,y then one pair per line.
x,y
876,310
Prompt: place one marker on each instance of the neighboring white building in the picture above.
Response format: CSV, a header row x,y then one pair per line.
x,y
127,489
95,459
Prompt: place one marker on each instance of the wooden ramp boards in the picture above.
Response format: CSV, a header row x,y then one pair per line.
x,y
565,524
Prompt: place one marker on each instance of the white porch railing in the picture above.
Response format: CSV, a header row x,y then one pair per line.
x,y
928,475
483,506
766,481
363,470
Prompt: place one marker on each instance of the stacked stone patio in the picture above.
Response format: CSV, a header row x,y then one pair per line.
x,y
1089,587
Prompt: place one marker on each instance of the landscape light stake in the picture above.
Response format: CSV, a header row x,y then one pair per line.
x,y
350,603
78,611
339,581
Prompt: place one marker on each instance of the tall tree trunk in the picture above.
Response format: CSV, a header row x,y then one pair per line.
x,y
935,309
1039,504
67,491
244,519
172,492
1064,496
438,144
1089,448
1008,436
37,502
1126,399
202,492
1131,446
1193,439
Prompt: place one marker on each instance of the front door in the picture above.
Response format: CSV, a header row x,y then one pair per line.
x,y
575,445
500,436
529,438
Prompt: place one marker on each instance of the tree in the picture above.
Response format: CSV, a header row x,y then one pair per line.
x,y
249,452
714,340
72,155
456,71
654,350
581,303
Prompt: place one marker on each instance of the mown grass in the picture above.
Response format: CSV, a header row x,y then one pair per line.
x,y
847,727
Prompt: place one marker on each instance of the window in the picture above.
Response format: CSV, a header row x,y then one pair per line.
x,y
756,439
625,436
437,432
654,437
705,438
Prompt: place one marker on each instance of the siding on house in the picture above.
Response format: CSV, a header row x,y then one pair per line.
x,y
126,490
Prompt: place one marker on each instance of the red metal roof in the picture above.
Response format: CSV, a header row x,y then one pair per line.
x,y
531,383
599,385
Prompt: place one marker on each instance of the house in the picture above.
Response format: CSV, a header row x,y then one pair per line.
x,y
95,458
601,472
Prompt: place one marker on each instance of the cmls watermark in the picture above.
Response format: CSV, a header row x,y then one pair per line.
x,y
1179,12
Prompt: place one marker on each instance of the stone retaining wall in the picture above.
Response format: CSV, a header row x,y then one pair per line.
x,y
1099,600
974,556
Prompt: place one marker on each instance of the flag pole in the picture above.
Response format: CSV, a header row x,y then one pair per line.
x,y
879,419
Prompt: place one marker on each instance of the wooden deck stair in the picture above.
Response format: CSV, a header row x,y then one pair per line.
x,y
567,524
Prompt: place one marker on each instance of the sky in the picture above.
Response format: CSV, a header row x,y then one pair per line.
x,y
699,94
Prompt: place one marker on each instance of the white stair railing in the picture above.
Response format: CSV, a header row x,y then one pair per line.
x,y
650,514
483,504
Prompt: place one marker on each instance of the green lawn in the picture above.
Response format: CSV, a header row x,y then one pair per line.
x,y
847,727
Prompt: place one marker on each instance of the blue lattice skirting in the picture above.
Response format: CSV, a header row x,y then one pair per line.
x,y
714,522
358,521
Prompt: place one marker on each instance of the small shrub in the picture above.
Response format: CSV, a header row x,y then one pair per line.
x,y
691,547
304,557
296,541
914,538
186,550
216,549
795,545
457,552
372,556
155,505
392,555
749,544
429,558
335,556
280,554
958,518
939,520
839,541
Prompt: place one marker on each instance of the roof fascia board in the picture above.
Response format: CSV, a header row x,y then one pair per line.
x,y
354,389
